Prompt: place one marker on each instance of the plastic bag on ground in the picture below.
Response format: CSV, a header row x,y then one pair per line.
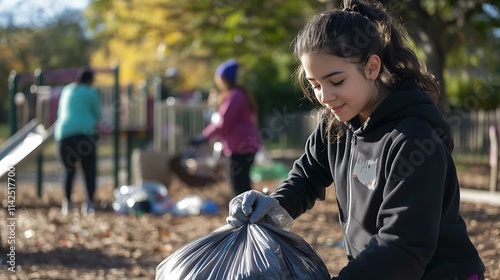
x,y
147,196
252,251
192,205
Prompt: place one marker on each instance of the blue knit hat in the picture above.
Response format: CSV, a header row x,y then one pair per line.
x,y
228,70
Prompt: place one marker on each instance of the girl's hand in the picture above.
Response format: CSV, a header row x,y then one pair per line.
x,y
254,207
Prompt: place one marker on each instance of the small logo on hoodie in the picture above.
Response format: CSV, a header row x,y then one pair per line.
x,y
366,172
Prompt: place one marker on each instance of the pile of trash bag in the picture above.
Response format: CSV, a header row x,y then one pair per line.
x,y
252,251
152,197
197,168
145,197
192,205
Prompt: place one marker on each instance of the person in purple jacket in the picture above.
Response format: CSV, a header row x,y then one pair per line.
x,y
237,128
384,146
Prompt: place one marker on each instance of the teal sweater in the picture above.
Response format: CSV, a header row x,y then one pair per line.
x,y
79,111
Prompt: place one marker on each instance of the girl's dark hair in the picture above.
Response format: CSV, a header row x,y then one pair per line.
x,y
86,76
361,29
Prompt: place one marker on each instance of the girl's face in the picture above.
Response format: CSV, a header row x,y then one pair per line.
x,y
342,86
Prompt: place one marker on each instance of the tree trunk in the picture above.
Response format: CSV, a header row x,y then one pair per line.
x,y
435,60
429,34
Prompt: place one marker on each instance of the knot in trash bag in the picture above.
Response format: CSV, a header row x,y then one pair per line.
x,y
252,251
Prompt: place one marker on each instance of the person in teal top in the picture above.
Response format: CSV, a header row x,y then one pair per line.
x,y
78,116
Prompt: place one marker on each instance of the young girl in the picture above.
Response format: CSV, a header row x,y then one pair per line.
x,y
385,147
237,127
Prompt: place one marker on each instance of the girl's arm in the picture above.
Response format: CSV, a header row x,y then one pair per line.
x,y
308,178
229,111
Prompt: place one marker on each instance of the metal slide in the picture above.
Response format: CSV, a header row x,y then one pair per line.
x,y
24,145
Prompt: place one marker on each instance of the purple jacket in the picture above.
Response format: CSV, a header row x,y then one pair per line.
x,y
237,128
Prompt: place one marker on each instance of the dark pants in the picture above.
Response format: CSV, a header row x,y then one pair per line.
x,y
239,172
79,149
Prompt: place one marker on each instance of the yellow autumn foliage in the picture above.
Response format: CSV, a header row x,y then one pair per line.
x,y
142,53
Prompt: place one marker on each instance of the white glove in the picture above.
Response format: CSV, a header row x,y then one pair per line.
x,y
253,207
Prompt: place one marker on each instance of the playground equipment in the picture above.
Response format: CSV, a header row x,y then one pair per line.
x,y
494,157
34,98
24,145
139,117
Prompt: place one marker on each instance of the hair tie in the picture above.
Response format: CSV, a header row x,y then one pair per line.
x,y
346,10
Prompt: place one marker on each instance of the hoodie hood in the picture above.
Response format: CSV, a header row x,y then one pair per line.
x,y
409,100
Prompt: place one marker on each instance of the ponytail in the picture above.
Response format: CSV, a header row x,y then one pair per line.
x,y
399,61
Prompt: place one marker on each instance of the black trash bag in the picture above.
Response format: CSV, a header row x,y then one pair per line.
x,y
197,169
252,251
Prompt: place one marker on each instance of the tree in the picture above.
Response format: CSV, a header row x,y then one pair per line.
x,y
196,35
449,33
60,42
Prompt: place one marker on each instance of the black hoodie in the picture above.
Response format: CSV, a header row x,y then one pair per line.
x,y
397,192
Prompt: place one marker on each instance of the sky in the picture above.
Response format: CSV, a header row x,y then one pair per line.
x,y
32,11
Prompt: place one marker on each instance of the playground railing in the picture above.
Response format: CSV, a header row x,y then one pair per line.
x,y
176,124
